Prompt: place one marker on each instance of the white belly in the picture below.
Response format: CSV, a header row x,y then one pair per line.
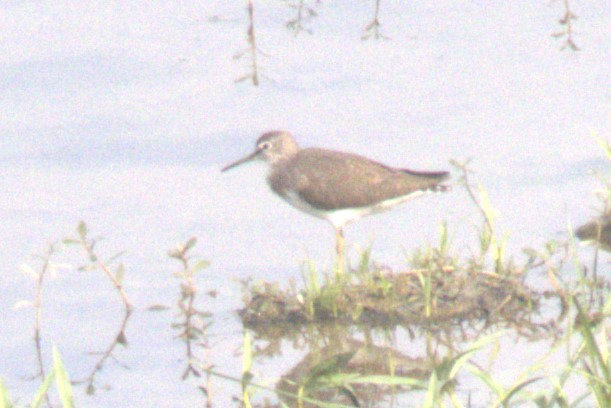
x,y
341,217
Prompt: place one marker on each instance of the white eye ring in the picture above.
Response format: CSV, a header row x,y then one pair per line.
x,y
265,145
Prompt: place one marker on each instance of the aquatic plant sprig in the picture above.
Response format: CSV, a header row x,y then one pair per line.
x,y
372,30
567,24
49,267
193,323
490,243
119,339
252,50
46,267
304,13
89,243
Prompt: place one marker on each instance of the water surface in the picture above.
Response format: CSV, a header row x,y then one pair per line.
x,y
123,114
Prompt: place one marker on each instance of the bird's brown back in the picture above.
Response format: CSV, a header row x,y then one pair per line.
x,y
330,180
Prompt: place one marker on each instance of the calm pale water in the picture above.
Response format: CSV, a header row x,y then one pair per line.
x,y
122,115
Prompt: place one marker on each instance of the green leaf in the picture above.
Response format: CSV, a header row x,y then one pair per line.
x,y
604,349
514,390
604,144
82,229
461,360
86,268
175,253
121,339
389,380
64,388
5,401
190,243
43,389
28,270
203,264
530,252
246,355
487,378
432,393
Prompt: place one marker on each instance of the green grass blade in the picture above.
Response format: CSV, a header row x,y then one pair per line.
x,y
43,389
5,401
246,367
432,392
604,144
590,341
64,388
389,380
247,354
487,379
460,361
517,388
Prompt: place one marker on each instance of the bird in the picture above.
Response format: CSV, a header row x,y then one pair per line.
x,y
598,230
336,186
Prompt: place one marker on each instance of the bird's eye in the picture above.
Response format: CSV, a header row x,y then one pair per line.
x,y
265,145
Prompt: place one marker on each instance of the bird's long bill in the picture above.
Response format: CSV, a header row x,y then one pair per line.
x,y
243,160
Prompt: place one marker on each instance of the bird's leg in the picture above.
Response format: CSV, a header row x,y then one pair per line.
x,y
339,237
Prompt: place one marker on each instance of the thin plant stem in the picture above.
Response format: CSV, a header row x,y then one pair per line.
x,y
119,339
38,314
253,43
118,286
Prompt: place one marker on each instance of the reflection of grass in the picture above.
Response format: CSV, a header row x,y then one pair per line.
x,y
541,383
590,361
